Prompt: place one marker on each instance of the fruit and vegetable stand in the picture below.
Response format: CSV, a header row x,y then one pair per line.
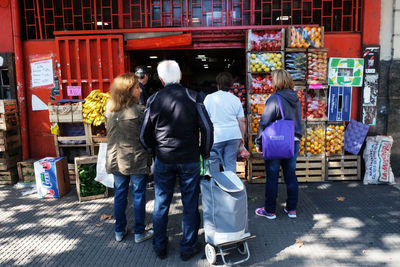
x,y
321,156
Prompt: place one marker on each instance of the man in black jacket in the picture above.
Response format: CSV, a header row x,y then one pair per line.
x,y
174,118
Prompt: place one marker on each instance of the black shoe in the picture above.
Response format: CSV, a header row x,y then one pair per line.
x,y
161,253
197,249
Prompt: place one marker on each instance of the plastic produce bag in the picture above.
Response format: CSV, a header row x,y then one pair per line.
x,y
102,176
243,154
377,160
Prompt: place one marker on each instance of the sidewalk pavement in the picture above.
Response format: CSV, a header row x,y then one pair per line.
x,y
338,224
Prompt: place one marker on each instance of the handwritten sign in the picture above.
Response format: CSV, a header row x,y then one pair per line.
x,y
74,90
42,72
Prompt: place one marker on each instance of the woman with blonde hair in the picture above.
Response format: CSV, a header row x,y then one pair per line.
x,y
126,158
283,84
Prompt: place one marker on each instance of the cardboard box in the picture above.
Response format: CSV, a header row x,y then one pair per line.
x,y
52,179
339,106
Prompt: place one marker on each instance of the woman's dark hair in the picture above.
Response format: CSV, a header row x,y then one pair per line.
x,y
224,81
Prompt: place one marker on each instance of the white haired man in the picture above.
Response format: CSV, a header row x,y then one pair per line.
x,y
174,118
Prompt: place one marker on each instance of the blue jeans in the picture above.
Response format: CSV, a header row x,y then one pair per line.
x,y
228,151
121,186
164,181
271,185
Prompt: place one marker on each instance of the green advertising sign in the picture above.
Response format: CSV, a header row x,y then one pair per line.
x,y
346,71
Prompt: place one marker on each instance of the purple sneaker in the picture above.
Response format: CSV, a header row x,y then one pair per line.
x,y
290,213
263,213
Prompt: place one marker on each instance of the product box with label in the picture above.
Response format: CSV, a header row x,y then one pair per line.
x,y
52,180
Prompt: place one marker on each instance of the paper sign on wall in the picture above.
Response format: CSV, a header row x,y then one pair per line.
x,y
42,71
346,71
74,90
339,106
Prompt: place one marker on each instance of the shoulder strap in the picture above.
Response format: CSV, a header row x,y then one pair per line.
x,y
190,96
280,105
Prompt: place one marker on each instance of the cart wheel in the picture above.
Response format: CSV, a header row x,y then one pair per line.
x,y
210,254
241,248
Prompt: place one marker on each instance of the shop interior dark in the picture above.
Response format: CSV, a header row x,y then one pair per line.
x,y
199,67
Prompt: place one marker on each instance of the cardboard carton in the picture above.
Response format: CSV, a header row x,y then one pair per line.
x,y
52,179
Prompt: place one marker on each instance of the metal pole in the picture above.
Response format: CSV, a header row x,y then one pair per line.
x,y
19,73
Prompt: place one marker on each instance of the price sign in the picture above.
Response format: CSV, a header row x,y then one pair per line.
x,y
74,90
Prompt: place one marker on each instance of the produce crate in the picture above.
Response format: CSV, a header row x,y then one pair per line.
x,y
317,104
310,169
241,169
85,161
97,135
26,171
8,106
70,112
71,173
9,121
10,158
63,141
10,142
257,59
343,168
265,40
305,44
8,177
256,169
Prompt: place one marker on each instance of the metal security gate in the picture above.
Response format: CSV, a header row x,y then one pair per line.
x,y
90,62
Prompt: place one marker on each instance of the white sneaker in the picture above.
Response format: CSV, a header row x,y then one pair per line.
x,y
120,235
143,237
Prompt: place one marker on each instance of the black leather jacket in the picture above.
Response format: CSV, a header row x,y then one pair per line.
x,y
174,119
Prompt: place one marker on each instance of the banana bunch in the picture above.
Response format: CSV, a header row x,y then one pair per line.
x,y
95,107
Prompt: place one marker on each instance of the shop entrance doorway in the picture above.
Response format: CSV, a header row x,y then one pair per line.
x,y
199,67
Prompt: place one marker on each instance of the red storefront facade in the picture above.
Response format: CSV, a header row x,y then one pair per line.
x,y
85,39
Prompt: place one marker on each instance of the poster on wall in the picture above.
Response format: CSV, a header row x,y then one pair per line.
x,y
346,71
339,103
42,71
371,57
369,115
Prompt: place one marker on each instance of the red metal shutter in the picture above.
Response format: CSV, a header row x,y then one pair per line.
x,y
89,61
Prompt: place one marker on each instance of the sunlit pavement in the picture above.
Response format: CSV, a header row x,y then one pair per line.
x,y
338,224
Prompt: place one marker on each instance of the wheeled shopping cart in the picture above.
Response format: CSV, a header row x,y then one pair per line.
x,y
224,203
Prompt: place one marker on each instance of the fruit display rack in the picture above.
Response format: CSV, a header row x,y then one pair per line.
x,y
306,60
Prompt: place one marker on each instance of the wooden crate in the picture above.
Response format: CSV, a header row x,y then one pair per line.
x,y
58,139
8,106
308,169
9,121
71,112
10,143
8,177
241,169
26,170
10,159
71,173
343,168
82,161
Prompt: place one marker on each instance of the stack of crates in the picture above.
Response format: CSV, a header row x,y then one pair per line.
x,y
10,141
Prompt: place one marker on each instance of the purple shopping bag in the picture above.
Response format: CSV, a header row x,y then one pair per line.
x,y
354,136
278,138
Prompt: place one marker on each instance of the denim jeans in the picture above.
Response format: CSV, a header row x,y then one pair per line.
x,y
121,186
228,151
271,185
164,181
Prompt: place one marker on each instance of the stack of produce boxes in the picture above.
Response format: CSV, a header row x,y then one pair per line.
x,y
308,67
10,141
264,55
306,60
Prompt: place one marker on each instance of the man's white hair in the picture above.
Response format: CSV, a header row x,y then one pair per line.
x,y
169,71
